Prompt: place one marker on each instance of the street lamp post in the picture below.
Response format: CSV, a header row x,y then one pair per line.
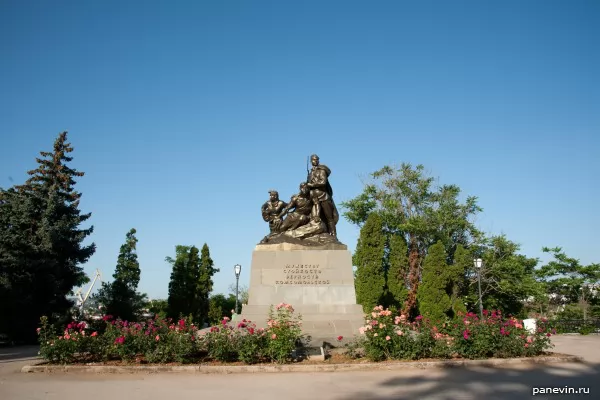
x,y
478,263
237,269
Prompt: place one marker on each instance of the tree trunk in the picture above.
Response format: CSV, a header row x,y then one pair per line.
x,y
413,276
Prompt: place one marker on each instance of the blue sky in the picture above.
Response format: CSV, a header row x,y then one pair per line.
x,y
183,114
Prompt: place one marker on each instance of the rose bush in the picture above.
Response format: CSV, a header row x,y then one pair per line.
x,y
163,340
284,333
387,335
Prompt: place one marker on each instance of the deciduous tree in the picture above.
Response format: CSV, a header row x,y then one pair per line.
x,y
410,205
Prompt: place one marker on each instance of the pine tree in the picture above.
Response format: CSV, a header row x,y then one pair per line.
x,y
397,270
432,297
205,283
120,297
41,244
368,259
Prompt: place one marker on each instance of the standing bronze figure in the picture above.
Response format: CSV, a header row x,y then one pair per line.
x,y
321,194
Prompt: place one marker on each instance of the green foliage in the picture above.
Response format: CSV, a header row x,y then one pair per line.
x,y
204,287
120,297
507,278
220,306
434,302
368,259
158,307
410,205
157,340
182,286
284,333
221,342
387,335
162,341
252,343
41,243
242,293
128,267
565,276
570,311
191,283
397,262
457,279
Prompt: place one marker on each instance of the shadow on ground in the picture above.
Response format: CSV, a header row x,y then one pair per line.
x,y
507,382
17,353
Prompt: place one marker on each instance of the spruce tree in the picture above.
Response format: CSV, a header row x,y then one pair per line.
x,y
397,270
52,184
41,244
205,283
432,297
23,270
368,259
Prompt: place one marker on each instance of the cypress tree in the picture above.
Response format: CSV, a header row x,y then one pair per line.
x,y
433,299
179,300
368,258
205,284
397,270
457,280
120,297
128,267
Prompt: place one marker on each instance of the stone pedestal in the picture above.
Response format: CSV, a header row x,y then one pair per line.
x,y
317,282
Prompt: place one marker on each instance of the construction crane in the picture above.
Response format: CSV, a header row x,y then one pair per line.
x,y
83,299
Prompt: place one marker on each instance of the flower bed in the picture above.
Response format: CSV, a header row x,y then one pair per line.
x,y
163,341
392,337
386,336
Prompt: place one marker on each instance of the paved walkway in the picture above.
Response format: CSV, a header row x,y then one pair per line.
x,y
511,382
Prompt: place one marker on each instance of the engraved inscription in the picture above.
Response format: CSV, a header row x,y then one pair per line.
x,y
302,274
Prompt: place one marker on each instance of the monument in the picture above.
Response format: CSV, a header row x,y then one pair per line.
x,y
301,262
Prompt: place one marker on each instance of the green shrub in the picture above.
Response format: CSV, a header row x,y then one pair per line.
x,y
389,336
283,333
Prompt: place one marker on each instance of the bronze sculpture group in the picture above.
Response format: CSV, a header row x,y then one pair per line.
x,y
310,216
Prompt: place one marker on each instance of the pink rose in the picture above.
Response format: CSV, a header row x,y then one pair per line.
x,y
387,338
273,336
400,333
157,338
94,334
